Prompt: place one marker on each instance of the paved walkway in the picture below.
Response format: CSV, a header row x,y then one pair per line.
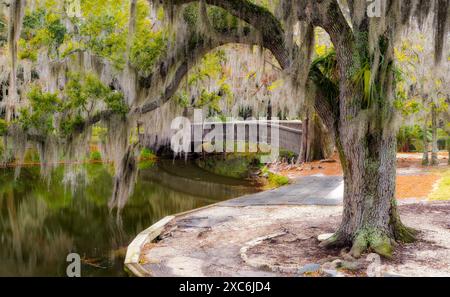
x,y
308,190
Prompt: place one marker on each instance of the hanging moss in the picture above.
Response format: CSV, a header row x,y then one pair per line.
x,y
3,31
99,42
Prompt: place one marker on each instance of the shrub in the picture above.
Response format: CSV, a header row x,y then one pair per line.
x,y
96,156
278,180
146,154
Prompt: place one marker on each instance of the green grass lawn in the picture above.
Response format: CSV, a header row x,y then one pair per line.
x,y
443,190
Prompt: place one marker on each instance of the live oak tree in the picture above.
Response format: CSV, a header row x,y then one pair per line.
x,y
358,107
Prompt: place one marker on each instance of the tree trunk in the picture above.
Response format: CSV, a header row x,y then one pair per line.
x,y
370,218
303,154
434,145
316,141
448,148
425,159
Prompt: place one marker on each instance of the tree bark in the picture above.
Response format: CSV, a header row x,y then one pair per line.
x,y
316,141
425,157
370,218
448,149
434,145
303,155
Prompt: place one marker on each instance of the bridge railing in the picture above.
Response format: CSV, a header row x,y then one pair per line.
x,y
289,133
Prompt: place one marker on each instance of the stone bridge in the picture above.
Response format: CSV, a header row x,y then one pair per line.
x,y
289,134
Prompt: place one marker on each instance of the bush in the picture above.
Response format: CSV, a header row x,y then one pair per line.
x,y
278,180
95,156
274,180
287,155
31,156
146,154
147,159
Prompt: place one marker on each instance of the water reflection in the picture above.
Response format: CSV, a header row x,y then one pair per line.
x,y
41,222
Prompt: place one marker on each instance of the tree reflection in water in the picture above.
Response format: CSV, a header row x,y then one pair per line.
x,y
43,221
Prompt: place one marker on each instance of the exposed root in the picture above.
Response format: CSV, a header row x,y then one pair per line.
x,y
401,232
374,239
337,240
405,234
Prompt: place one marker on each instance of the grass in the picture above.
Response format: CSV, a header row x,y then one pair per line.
x,y
274,180
443,190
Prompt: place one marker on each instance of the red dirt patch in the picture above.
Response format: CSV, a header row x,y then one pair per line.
x,y
408,186
331,167
415,186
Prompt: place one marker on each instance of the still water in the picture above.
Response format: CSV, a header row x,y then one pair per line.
x,y
41,222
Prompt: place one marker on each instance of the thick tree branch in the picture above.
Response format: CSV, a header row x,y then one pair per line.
x,y
327,111
263,20
195,46
187,61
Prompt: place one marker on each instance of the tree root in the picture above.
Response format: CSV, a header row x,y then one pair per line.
x,y
366,239
405,234
337,240
372,239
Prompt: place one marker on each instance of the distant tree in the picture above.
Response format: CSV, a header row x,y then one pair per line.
x,y
422,88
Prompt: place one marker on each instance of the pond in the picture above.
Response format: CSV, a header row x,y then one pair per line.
x,y
43,221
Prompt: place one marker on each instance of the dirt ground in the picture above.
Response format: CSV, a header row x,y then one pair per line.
x,y
236,241
282,240
413,179
415,186
429,256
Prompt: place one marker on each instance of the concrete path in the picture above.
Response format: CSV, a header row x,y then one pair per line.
x,y
308,190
